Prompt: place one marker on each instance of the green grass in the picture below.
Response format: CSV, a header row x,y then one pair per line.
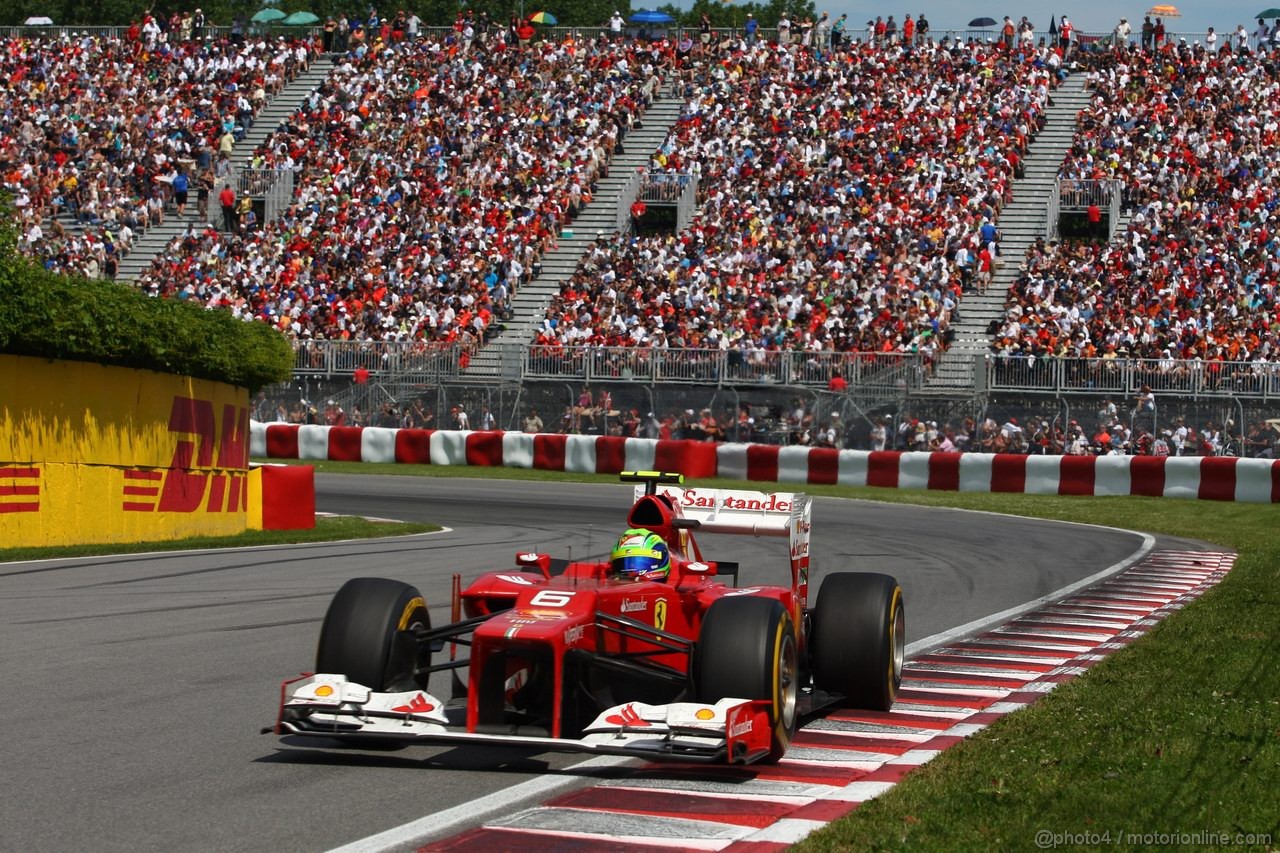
x,y
327,529
1180,732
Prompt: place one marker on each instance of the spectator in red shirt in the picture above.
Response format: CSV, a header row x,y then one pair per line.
x,y
227,198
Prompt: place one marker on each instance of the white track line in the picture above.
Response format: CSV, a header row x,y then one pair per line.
x,y
505,801
977,626
508,800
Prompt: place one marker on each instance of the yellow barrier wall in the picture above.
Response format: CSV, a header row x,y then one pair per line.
x,y
107,454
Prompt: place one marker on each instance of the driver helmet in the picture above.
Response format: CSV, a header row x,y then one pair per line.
x,y
640,555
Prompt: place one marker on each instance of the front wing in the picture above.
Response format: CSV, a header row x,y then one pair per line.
x,y
731,730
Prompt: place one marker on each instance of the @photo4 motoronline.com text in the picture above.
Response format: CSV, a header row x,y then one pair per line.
x,y
1048,839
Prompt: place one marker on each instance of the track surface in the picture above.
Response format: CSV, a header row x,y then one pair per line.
x,y
136,685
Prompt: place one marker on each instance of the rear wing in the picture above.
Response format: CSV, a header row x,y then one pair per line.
x,y
750,513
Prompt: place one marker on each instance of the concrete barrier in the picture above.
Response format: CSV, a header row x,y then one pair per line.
x,y
1209,478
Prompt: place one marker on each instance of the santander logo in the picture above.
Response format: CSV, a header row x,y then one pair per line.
x,y
742,728
693,499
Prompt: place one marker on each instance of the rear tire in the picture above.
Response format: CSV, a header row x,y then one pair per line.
x,y
859,638
368,635
747,650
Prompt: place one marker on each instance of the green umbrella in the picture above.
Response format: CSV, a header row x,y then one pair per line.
x,y
299,18
266,16
1270,13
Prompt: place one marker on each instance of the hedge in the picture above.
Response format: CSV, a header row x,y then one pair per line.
x,y
53,316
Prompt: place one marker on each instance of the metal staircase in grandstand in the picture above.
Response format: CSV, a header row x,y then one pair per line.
x,y
601,215
147,246
1022,220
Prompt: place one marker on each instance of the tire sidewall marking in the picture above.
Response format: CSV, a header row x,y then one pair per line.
x,y
894,604
405,617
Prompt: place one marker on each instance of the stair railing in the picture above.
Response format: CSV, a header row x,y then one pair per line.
x,y
273,186
626,196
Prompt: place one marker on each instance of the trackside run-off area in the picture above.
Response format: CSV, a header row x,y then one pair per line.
x,y
846,758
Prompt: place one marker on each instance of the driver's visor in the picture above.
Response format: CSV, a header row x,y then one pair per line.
x,y
635,564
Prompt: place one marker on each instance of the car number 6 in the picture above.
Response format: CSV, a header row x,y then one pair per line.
x,y
551,598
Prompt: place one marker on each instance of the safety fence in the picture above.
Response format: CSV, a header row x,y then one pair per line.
x,y
1127,376
897,371
1209,478
771,415
436,361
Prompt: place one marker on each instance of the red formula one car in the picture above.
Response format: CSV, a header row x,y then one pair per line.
x,y
566,657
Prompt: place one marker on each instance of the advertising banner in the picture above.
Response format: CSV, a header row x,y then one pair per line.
x,y
105,454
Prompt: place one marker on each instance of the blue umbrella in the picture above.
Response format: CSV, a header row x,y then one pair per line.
x,y
645,16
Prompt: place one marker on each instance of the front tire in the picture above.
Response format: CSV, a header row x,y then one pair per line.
x,y
747,650
859,638
369,635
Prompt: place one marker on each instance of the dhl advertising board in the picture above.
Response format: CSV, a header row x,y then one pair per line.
x,y
106,454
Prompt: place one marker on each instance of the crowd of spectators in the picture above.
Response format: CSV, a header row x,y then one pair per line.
x,y
849,197
1192,135
97,132
433,174
847,200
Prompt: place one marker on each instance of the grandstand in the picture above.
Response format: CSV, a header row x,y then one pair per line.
x,y
441,214
92,189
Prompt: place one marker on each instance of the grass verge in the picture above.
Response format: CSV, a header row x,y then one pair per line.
x,y
327,529
1179,733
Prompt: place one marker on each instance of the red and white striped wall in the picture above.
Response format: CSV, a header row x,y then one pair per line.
x,y
848,757
1206,478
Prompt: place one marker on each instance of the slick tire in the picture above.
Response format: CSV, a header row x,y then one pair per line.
x,y
369,635
859,639
747,650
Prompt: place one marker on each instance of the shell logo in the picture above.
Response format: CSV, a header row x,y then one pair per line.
x,y
324,690
705,714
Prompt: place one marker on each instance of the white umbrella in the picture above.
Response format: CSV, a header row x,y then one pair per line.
x,y
38,21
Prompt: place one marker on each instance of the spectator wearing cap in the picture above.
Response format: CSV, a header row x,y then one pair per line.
x,y
822,31
1120,35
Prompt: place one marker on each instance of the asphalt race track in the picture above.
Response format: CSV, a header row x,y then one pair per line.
x,y
135,686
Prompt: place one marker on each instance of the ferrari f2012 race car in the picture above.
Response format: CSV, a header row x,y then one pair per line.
x,y
566,656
